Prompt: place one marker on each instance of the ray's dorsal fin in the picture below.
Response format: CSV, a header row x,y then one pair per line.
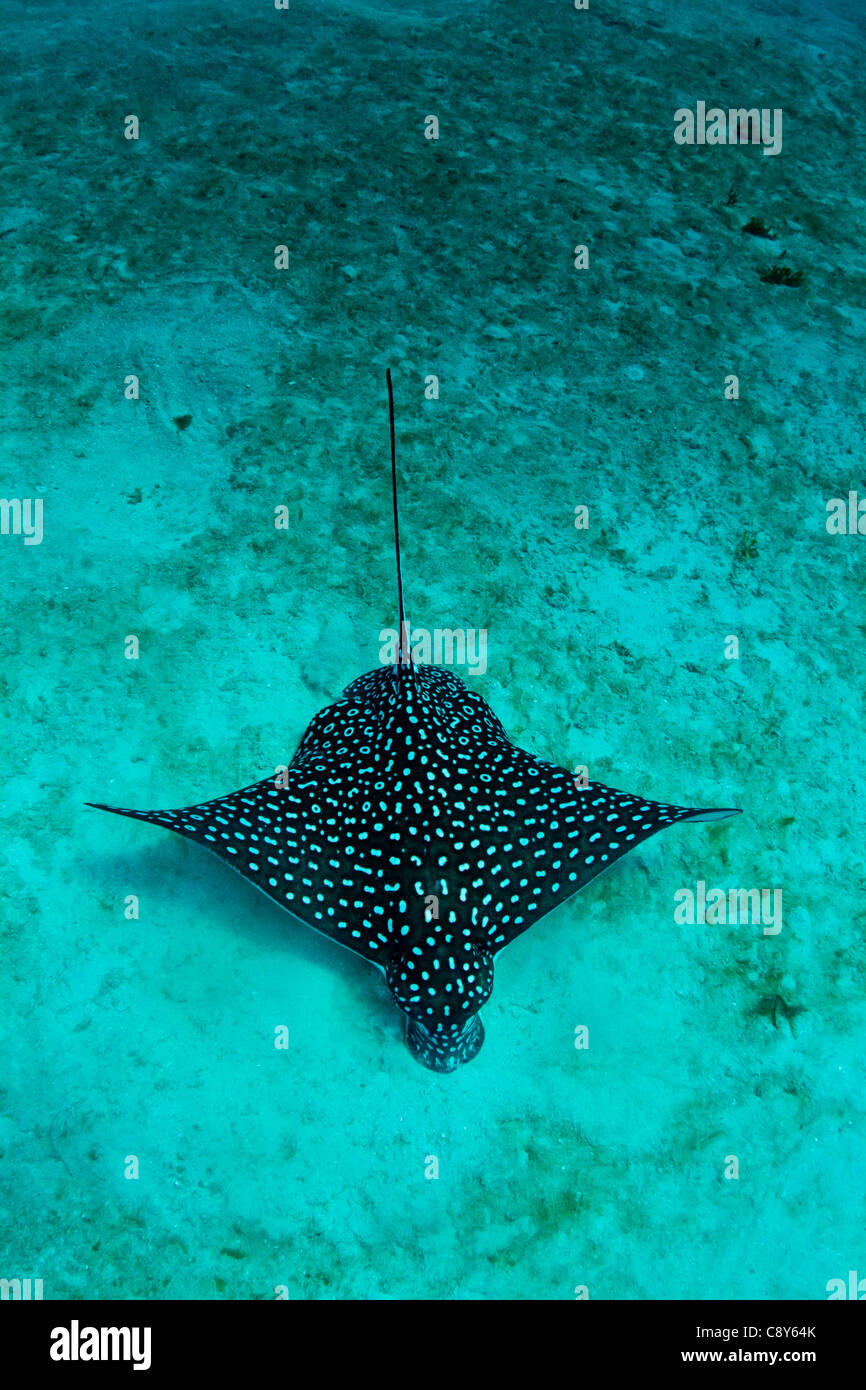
x,y
404,652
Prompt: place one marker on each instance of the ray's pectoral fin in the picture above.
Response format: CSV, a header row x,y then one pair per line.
x,y
562,835
287,838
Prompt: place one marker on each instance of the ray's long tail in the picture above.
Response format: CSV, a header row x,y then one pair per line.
x,y
404,657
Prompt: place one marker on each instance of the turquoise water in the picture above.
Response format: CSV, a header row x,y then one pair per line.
x,y
145,1044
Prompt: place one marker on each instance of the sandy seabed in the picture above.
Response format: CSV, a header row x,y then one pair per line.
x,y
558,1168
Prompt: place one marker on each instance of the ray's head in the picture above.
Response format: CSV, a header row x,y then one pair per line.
x,y
444,1050
440,984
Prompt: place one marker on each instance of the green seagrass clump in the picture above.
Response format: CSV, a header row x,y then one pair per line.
x,y
747,547
756,226
779,274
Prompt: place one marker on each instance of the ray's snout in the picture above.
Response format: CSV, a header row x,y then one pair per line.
x,y
444,1051
440,984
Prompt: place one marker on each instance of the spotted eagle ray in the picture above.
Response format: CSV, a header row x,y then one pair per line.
x,y
411,829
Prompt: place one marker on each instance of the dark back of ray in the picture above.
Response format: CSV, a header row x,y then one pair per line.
x,y
521,838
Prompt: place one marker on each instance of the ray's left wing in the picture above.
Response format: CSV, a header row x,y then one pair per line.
x,y
541,838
